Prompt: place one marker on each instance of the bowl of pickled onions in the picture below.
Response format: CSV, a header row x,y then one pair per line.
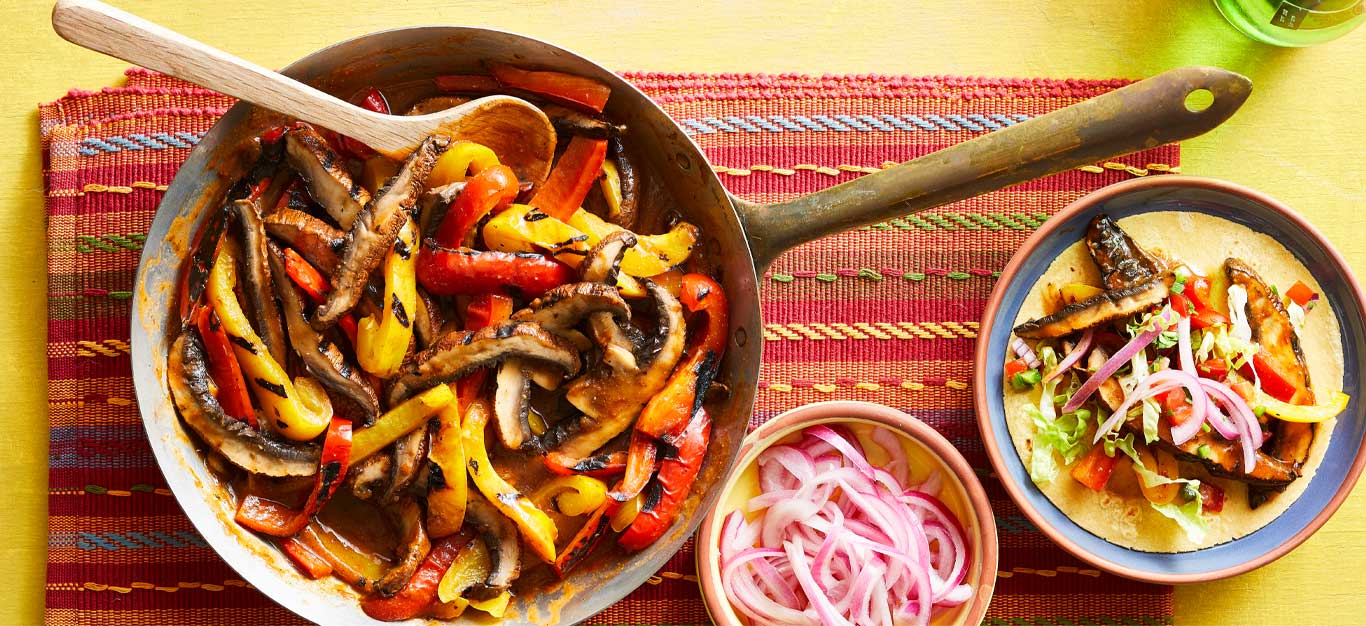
x,y
845,513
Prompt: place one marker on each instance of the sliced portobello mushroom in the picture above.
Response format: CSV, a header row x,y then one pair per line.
x,y
434,204
244,446
461,352
625,217
603,265
505,551
408,517
410,454
1271,329
570,122
257,286
512,403
563,307
1098,309
1122,262
325,173
370,478
316,241
429,319
320,355
375,230
611,399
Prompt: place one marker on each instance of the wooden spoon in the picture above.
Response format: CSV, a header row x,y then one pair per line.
x,y
518,132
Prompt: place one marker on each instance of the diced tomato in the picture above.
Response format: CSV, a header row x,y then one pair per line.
x,y
1300,293
1205,318
1015,367
1213,369
1178,407
1094,469
1213,498
1245,390
1181,305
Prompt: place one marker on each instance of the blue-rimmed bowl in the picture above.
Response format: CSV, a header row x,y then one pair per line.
x,y
1344,459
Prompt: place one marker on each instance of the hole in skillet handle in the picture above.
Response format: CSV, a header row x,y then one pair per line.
x,y
1199,100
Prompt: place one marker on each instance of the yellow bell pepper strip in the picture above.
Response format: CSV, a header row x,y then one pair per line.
x,y
490,191
663,499
421,590
287,411
459,161
223,368
448,486
352,566
381,344
571,178
579,92
652,255
495,606
1311,414
668,413
399,421
470,568
537,530
627,513
376,171
273,518
523,228
610,184
572,495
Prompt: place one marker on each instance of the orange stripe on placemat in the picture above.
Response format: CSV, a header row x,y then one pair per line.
x,y
884,314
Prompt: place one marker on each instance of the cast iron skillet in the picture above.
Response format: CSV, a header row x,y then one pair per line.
x,y
741,237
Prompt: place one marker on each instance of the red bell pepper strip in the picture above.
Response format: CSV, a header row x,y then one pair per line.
x,y
201,261
223,367
310,564
674,481
370,100
598,525
1094,468
491,190
483,310
567,89
1301,294
597,466
420,592
316,286
668,413
273,518
571,178
467,83
1272,382
447,272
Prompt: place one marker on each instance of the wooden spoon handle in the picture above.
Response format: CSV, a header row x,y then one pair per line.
x,y
103,28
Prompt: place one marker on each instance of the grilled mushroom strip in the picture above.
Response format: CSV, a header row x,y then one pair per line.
x,y
325,172
603,265
1098,309
257,287
630,185
611,399
323,359
316,241
1122,262
428,321
246,447
570,122
1272,330
375,230
512,403
368,478
505,551
563,307
413,552
459,353
434,204
1225,458
410,454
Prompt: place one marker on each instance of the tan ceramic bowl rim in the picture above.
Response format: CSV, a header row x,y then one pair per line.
x,y
708,570
982,403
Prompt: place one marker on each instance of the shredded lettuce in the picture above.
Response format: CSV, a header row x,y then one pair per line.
x,y
1165,339
1051,432
1150,415
1187,515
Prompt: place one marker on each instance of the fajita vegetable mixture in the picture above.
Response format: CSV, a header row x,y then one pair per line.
x,y
426,377
1172,385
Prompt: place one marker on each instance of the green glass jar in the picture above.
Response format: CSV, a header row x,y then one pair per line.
x,y
1293,22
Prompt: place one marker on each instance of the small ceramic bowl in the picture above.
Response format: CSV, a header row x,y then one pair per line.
x,y
1344,458
926,450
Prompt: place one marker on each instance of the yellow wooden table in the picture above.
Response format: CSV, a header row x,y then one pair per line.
x,y
1300,138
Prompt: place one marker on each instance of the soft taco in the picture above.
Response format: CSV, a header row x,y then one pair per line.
x,y
1174,380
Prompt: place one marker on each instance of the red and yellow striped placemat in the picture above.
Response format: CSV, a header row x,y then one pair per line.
x,y
886,314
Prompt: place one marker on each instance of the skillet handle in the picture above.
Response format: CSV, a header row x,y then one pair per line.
x,y
1143,115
